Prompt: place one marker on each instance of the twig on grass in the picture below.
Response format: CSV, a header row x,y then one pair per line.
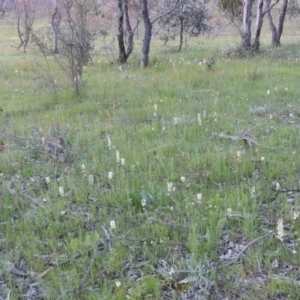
x,y
33,200
234,260
83,280
88,271
244,137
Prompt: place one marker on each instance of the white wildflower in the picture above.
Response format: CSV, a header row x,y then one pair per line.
x,y
204,114
108,142
238,155
199,119
268,92
155,107
229,212
91,179
123,161
117,156
199,197
61,191
47,180
175,120
110,175
118,283
252,192
277,187
83,168
112,224
280,233
143,202
182,179
170,187
262,159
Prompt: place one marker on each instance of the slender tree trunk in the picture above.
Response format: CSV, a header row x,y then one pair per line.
x,y
123,19
181,33
246,31
18,18
276,33
55,23
129,30
259,23
147,34
121,43
2,9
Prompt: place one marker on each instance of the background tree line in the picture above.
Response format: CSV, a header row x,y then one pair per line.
x,y
76,24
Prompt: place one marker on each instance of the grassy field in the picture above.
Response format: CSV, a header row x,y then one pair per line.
x,y
181,181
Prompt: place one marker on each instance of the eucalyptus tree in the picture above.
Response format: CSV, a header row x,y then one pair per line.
x,y
55,24
242,13
25,15
124,29
293,9
277,31
161,9
190,17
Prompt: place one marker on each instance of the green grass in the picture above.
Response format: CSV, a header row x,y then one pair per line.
x,y
180,196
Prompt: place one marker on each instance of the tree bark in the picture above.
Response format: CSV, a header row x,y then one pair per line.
x,y
123,19
55,23
276,33
129,30
147,34
246,30
181,33
25,19
259,23
121,43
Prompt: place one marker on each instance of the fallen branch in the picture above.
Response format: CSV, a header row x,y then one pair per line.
x,y
245,248
83,280
244,137
33,200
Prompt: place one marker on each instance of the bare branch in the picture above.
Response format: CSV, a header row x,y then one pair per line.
x,y
166,13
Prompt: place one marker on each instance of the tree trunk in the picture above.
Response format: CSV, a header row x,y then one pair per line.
x,y
121,43
129,30
276,33
2,9
181,33
147,34
259,23
123,18
246,31
55,23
